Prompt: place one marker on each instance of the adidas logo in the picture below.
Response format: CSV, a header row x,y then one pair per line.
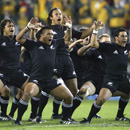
x,y
4,44
41,47
100,57
126,52
52,47
115,52
54,32
110,83
16,44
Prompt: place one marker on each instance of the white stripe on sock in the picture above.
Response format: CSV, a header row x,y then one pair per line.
x,y
4,101
45,94
97,106
15,101
23,102
57,101
35,98
67,105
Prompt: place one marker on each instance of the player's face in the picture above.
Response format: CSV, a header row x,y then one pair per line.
x,y
105,39
122,38
56,17
9,29
47,37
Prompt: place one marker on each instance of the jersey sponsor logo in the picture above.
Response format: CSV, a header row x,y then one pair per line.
x,y
41,47
35,81
52,47
17,44
4,44
125,52
100,57
110,83
115,52
54,32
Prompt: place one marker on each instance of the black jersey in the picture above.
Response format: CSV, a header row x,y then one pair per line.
x,y
9,54
116,58
81,63
43,58
97,67
27,62
59,32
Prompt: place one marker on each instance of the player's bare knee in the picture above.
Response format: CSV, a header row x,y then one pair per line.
x,y
68,98
100,101
26,96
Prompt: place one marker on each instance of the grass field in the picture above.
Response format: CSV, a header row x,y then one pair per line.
x,y
108,113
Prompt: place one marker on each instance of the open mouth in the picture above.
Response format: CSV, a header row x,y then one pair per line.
x,y
59,19
50,40
11,30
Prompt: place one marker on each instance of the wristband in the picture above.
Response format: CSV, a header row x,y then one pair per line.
x,y
27,27
68,25
95,31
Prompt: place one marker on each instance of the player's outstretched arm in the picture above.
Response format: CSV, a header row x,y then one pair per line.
x,y
74,43
94,42
68,34
31,25
88,31
83,50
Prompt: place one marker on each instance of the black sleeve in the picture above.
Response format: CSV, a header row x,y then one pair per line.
x,y
29,44
76,34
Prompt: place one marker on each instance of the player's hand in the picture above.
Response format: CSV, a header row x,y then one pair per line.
x,y
99,25
38,26
31,24
86,41
68,21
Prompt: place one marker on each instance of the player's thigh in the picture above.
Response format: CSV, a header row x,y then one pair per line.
x,y
72,85
62,92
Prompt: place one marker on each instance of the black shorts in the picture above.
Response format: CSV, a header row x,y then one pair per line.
x,y
96,80
113,84
45,86
64,67
16,78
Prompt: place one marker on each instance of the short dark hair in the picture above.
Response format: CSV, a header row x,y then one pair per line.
x,y
42,31
3,23
118,30
50,15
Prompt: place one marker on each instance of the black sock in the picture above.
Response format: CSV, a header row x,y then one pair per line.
x,y
34,106
122,104
22,107
76,102
4,104
66,108
56,105
43,101
14,106
94,110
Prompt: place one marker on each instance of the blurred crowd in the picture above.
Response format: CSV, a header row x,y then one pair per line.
x,y
113,13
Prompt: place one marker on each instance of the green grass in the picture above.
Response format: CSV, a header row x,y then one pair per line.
x,y
108,112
